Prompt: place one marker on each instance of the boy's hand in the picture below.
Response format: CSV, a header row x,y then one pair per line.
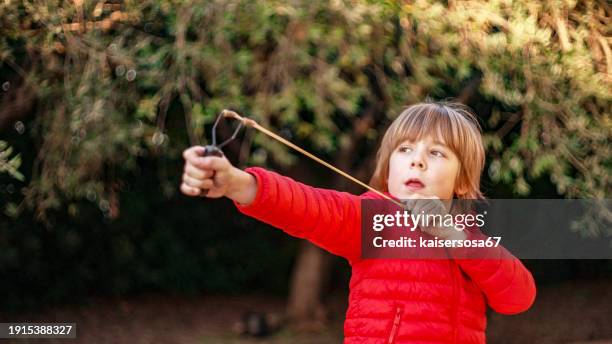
x,y
217,175
432,205
211,172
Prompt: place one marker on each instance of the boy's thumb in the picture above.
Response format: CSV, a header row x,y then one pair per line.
x,y
214,163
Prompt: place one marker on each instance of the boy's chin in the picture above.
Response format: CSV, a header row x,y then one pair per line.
x,y
405,194
423,193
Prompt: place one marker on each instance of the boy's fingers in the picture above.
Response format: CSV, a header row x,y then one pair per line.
x,y
411,202
189,191
193,152
430,208
207,184
210,163
215,193
197,173
195,183
407,203
418,200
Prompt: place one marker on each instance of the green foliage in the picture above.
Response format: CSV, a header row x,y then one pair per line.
x,y
114,84
9,164
106,75
560,92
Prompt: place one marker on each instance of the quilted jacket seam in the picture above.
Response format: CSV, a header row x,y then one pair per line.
x,y
405,300
450,285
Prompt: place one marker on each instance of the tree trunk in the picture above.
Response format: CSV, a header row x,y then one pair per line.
x,y
305,309
311,272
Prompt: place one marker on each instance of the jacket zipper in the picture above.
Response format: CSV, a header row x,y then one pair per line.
x,y
456,276
396,323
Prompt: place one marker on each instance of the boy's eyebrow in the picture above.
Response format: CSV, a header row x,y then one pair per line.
x,y
440,144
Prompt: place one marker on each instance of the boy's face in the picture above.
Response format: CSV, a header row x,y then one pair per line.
x,y
426,167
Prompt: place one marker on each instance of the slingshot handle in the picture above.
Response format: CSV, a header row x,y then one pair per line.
x,y
208,151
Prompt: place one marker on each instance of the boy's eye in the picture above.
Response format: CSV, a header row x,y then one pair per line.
x,y
403,149
437,153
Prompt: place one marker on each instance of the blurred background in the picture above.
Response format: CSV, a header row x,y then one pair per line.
x,y
99,99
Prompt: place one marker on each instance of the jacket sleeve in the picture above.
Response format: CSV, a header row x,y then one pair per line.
x,y
329,219
507,284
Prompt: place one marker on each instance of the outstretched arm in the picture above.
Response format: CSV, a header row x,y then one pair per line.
x,y
327,218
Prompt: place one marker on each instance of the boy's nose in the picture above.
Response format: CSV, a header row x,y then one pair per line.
x,y
418,158
418,164
418,161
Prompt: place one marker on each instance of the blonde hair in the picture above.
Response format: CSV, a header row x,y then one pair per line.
x,y
451,123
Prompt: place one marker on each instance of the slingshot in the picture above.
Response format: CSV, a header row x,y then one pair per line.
x,y
216,150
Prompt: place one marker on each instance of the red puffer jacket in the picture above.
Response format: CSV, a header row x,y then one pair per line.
x,y
394,301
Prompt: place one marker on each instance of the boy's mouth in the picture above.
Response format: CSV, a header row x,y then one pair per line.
x,y
414,184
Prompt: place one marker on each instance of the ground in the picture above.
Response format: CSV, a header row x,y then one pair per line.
x,y
572,312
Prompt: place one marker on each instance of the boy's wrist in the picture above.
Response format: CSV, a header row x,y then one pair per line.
x,y
243,187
